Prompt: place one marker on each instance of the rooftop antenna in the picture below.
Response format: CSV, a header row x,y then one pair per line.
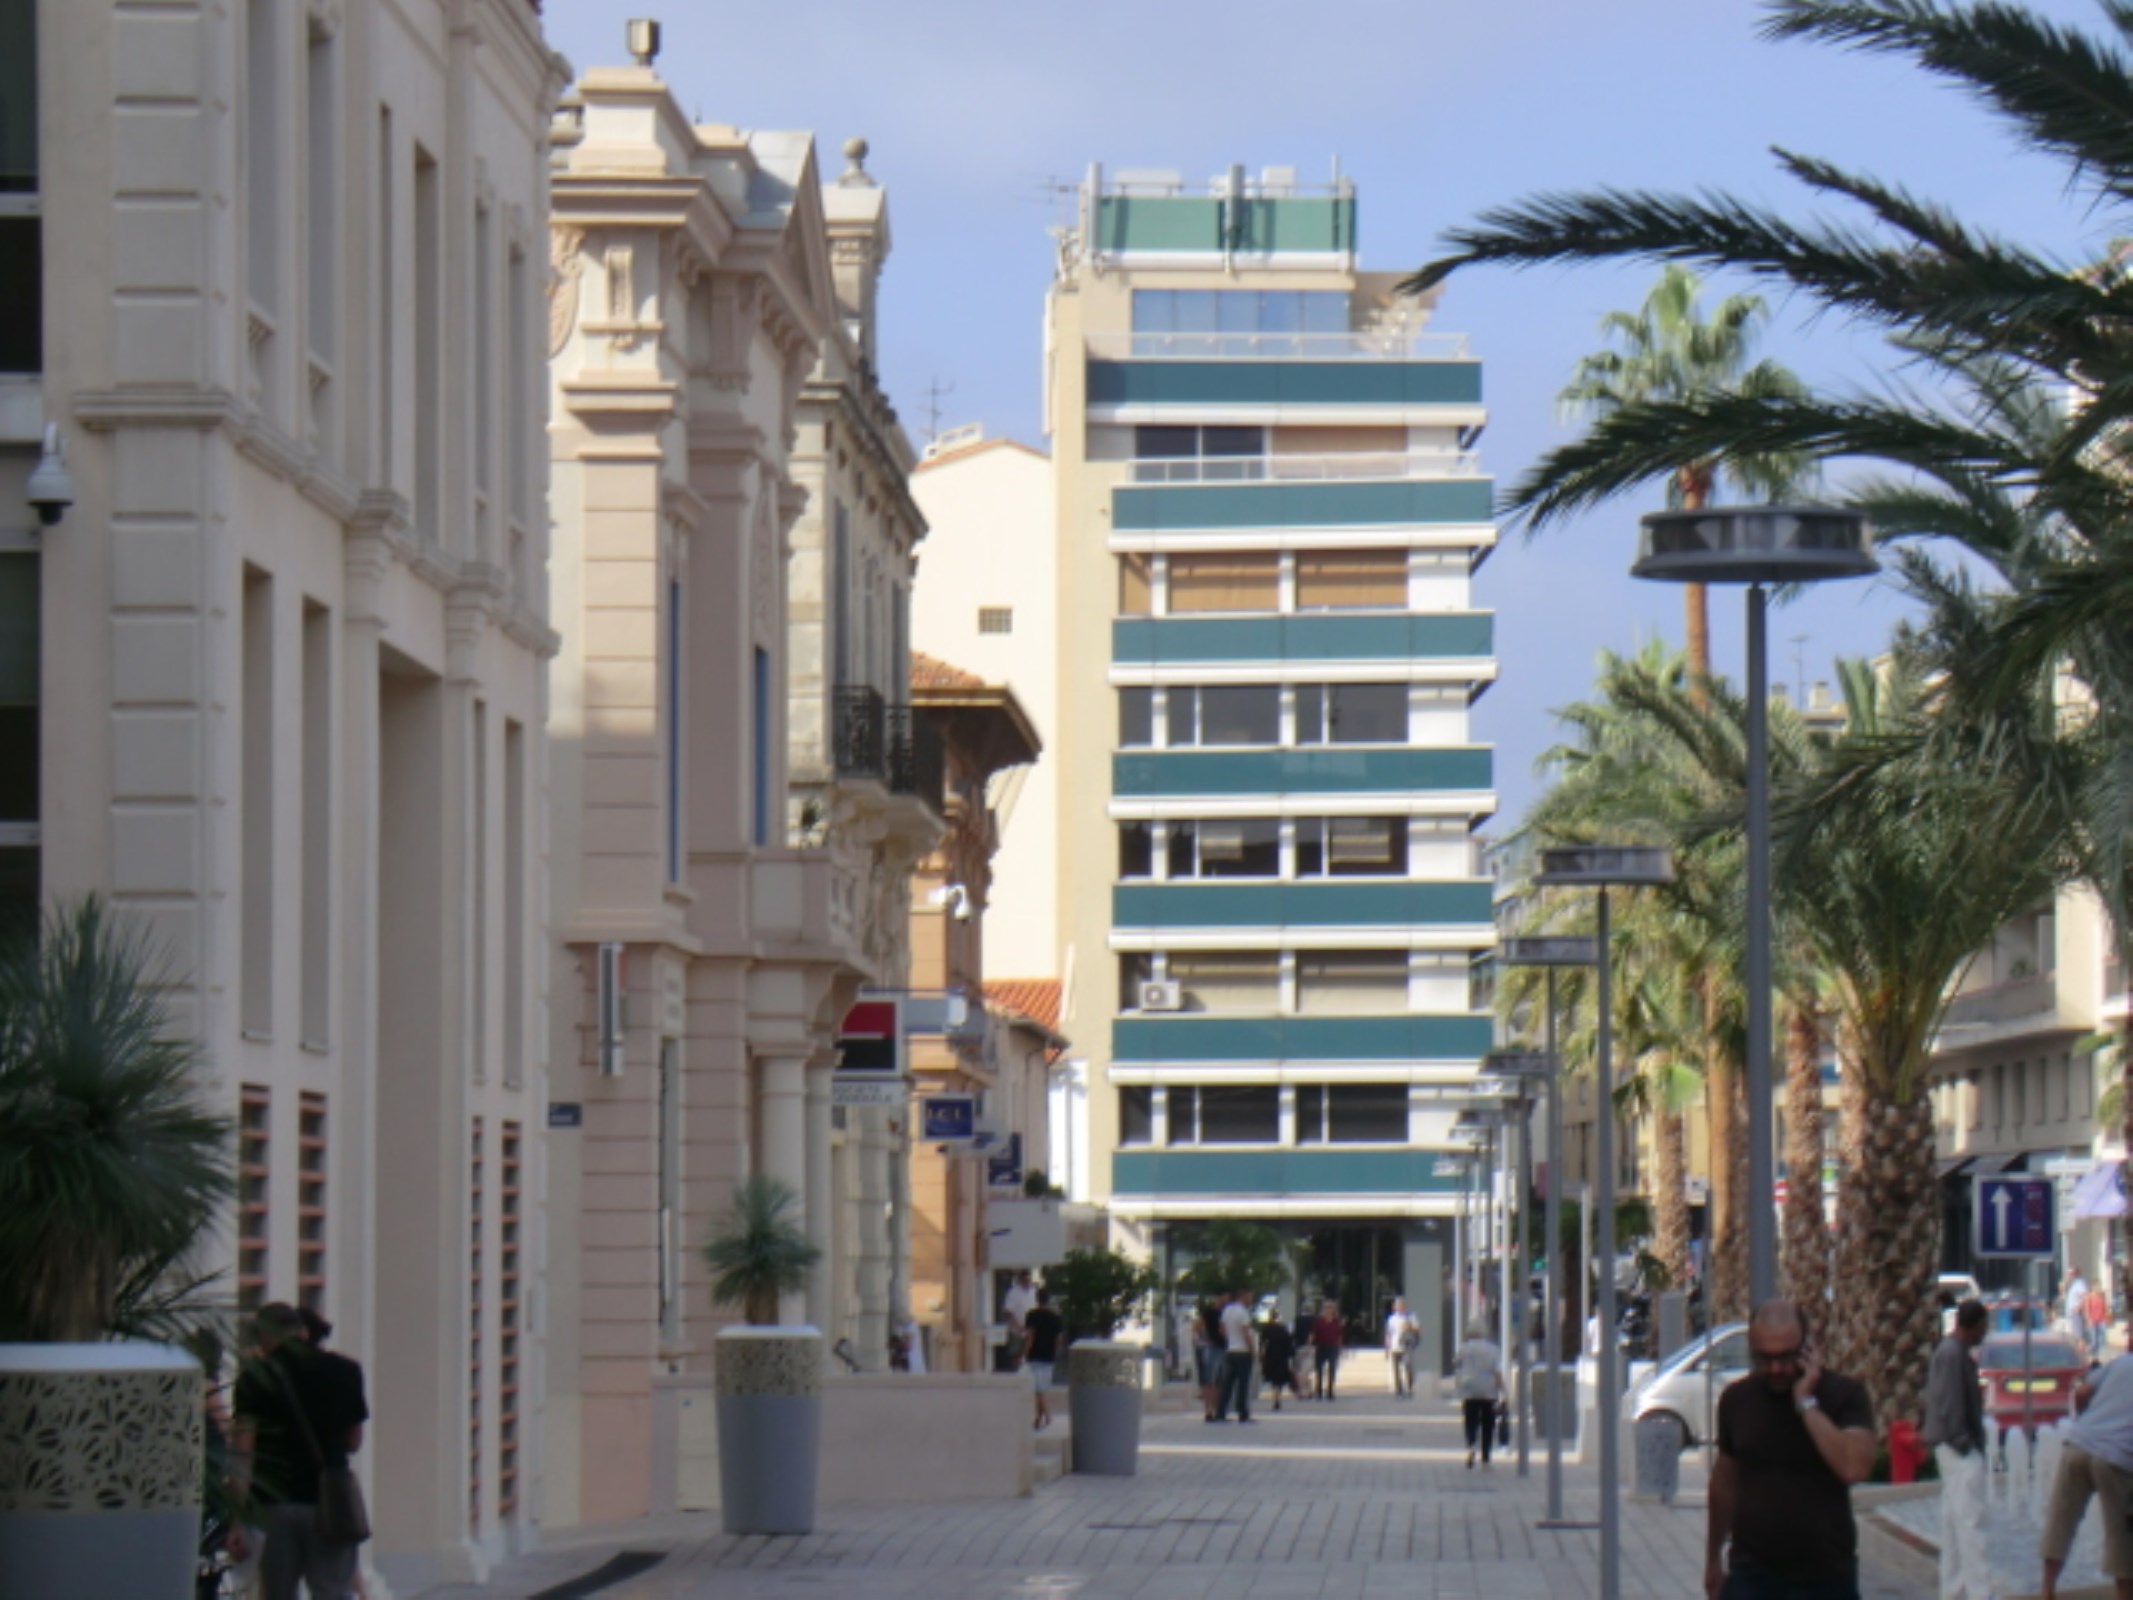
x,y
936,392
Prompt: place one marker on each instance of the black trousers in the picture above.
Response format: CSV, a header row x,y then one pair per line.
x,y
1326,1371
1480,1425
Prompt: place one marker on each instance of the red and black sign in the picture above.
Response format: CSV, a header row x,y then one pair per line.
x,y
867,1042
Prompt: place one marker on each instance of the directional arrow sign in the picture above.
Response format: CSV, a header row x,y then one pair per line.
x,y
2015,1218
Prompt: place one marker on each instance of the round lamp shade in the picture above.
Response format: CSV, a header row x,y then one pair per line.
x,y
1755,544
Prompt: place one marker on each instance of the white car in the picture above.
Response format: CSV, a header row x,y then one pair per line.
x,y
1950,1290
1685,1387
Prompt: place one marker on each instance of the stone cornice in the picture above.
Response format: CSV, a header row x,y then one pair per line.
x,y
217,410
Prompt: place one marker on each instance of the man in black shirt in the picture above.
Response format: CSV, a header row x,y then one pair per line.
x,y
298,1410
1792,1440
1042,1328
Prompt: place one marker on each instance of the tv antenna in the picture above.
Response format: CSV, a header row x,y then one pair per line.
x,y
936,392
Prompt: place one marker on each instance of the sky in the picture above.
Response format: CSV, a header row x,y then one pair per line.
x,y
978,114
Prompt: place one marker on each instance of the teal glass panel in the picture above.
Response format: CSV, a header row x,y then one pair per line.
x,y
1332,904
1150,641
1245,382
1321,770
1301,505
1159,1173
1461,1036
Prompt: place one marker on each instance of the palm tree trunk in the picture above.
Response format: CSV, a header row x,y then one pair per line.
x,y
2125,1101
1888,1248
1726,1261
1806,1235
1670,1204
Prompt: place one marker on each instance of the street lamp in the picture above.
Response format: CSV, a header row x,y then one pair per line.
x,y
1495,1122
1603,867
1551,952
1757,545
1528,1070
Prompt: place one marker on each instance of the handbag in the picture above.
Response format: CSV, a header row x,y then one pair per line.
x,y
341,1515
1503,1426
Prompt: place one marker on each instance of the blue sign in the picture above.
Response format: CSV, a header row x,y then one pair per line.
x,y
566,1114
2016,1217
948,1118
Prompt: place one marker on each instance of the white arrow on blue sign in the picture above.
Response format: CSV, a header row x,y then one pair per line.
x,y
2016,1217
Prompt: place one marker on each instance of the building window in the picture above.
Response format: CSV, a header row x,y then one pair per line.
x,y
1170,454
515,931
1136,587
254,1180
1351,982
1351,713
1136,718
1228,847
511,1208
428,412
1234,581
1136,850
1239,321
1136,1114
21,232
476,1279
1351,580
311,1201
256,805
21,646
1351,1113
841,578
1225,1114
676,678
1233,981
322,189
262,157
1351,847
316,825
1237,714
996,619
1134,969
759,830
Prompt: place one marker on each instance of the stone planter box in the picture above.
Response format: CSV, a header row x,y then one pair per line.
x,y
1104,1401
769,1394
102,1448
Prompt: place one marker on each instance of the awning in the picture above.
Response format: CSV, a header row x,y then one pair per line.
x,y
2102,1193
2018,1162
1952,1167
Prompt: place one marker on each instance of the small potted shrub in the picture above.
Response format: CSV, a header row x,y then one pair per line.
x,y
1097,1290
111,1168
768,1376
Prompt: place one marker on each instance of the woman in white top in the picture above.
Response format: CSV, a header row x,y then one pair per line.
x,y
1477,1371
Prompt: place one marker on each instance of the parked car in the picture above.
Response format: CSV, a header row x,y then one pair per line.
x,y
2056,1365
1683,1391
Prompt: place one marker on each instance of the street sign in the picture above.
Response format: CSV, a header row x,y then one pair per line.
x,y
866,1089
2016,1218
948,1118
1779,1191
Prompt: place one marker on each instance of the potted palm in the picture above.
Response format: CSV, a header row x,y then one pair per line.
x,y
767,1375
1097,1290
111,1168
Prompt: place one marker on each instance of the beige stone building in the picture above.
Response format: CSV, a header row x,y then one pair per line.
x,y
282,662
740,789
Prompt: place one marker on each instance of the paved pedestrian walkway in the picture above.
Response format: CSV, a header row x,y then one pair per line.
x,y
1361,1498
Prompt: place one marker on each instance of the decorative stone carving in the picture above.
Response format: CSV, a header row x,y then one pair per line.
x,y
100,1441
566,264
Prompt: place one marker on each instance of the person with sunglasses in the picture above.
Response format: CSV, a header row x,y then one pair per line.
x,y
1793,1438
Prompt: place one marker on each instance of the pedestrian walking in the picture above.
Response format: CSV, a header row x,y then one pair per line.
x,y
1237,1357
1955,1428
1042,1329
1477,1376
1207,1355
1326,1340
1793,1438
2097,1309
2096,1460
299,1417
2074,1307
1277,1357
1015,1308
1401,1337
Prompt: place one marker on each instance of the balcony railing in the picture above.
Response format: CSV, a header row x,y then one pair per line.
x,y
1307,469
893,745
1365,345
2002,1002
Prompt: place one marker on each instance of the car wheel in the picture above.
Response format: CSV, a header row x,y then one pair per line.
x,y
1688,1437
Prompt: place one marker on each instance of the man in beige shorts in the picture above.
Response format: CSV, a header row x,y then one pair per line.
x,y
2098,1461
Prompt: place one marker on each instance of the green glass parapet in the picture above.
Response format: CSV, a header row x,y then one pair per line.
x,y
1272,382
1322,769
1156,1040
1318,903
1276,1173
1322,636
1410,503
1201,224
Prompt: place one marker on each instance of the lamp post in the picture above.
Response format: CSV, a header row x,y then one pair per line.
x,y
1527,1070
1551,953
1603,867
1757,545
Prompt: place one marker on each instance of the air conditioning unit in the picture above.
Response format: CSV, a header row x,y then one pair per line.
x,y
1162,994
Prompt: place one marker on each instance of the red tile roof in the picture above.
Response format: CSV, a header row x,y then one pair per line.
x,y
928,673
1034,998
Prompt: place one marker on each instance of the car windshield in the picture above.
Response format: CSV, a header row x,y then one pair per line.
x,y
1732,1352
2005,1355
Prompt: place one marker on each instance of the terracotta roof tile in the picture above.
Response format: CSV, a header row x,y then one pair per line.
x,y
1034,998
928,673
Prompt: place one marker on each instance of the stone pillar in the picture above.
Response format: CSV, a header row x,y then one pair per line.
x,y
784,1152
821,1210
876,1266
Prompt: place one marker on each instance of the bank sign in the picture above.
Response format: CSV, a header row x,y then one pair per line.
x,y
948,1118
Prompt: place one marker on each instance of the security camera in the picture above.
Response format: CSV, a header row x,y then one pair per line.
x,y
955,897
51,488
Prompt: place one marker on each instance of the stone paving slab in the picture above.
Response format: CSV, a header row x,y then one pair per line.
x,y
1357,1500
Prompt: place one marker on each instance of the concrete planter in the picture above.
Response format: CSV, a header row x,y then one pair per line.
x,y
1104,1401
101,1454
769,1390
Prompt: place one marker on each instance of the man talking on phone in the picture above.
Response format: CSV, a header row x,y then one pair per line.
x,y
1792,1440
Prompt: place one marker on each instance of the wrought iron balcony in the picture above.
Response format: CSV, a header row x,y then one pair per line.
x,y
858,735
918,764
893,745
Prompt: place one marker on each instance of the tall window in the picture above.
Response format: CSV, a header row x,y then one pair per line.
x,y
675,679
1136,850
478,894
254,1189
1351,713
477,1278
518,404
20,735
385,380
1136,718
21,249
484,374
509,1247
311,1201
429,346
514,902
1136,593
669,1156
840,593
257,805
315,819
322,228
1136,1114
262,155
759,829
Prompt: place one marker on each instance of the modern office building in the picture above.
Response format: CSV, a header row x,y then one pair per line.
x,y
1269,518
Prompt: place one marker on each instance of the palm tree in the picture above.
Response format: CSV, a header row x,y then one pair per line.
x,y
1666,350
759,1253
1806,1234
111,1168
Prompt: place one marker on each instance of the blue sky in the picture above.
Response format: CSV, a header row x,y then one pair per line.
x,y
1437,110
